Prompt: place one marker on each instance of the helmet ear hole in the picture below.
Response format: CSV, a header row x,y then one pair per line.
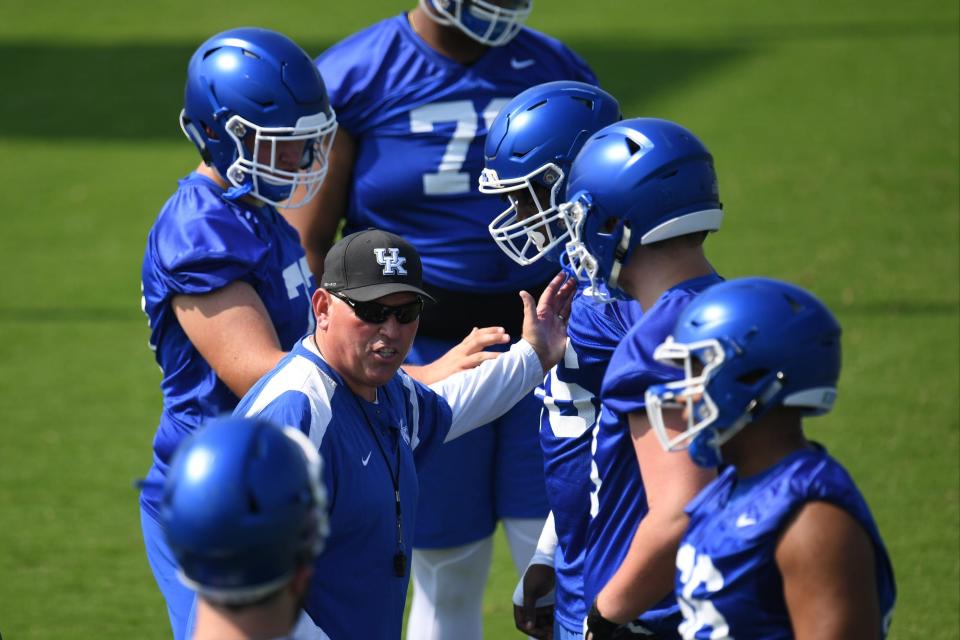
x,y
752,377
197,138
609,225
253,504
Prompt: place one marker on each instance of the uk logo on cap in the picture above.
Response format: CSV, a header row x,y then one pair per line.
x,y
391,260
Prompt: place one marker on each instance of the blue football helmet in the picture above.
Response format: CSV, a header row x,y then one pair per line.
x,y
490,22
532,143
745,347
243,507
636,182
250,95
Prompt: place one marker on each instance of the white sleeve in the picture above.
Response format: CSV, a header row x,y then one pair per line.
x,y
547,544
485,393
546,550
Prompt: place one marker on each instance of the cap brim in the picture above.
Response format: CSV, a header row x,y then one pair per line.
x,y
374,291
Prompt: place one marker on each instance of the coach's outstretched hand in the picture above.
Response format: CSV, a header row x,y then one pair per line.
x,y
545,325
468,354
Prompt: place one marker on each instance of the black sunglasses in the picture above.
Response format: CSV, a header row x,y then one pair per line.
x,y
376,313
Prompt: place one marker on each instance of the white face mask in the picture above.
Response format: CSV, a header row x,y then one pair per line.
x,y
526,240
269,182
486,22
688,394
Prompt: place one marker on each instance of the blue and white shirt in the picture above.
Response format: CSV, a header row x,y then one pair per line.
x,y
571,398
727,583
354,591
618,499
420,120
200,243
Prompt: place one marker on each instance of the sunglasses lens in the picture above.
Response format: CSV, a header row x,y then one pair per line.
x,y
372,312
409,312
375,313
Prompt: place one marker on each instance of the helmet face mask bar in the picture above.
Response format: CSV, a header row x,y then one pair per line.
x,y
689,394
527,239
269,182
584,263
486,22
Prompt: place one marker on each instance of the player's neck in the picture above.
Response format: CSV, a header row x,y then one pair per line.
x,y
653,270
764,443
448,41
274,620
209,172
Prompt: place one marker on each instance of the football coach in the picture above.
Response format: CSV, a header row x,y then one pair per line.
x,y
374,425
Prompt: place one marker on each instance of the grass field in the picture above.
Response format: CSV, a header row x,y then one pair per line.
x,y
835,129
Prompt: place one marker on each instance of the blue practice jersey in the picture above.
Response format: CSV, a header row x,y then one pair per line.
x,y
419,120
727,581
571,398
354,591
618,500
200,243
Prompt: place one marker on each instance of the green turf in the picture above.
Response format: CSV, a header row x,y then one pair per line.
x,y
835,130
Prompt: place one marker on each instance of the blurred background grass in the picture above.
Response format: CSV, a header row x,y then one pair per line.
x,y
835,131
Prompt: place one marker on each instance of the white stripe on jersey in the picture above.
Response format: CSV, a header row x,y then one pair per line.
x,y
414,409
300,374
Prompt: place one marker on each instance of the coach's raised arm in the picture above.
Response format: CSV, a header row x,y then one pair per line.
x,y
374,424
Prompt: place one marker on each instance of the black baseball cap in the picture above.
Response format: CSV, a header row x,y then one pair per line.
x,y
371,264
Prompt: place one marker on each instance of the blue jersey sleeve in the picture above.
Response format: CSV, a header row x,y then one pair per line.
x,y
596,328
633,369
202,243
350,67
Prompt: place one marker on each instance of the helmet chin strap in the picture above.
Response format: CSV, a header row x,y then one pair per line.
x,y
235,193
756,406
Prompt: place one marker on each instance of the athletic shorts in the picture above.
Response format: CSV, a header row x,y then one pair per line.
x,y
164,566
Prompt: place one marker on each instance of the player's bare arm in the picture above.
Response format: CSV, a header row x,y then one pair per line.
x,y
834,597
232,331
318,220
646,574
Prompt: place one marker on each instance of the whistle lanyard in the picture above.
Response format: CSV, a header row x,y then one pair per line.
x,y
400,557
